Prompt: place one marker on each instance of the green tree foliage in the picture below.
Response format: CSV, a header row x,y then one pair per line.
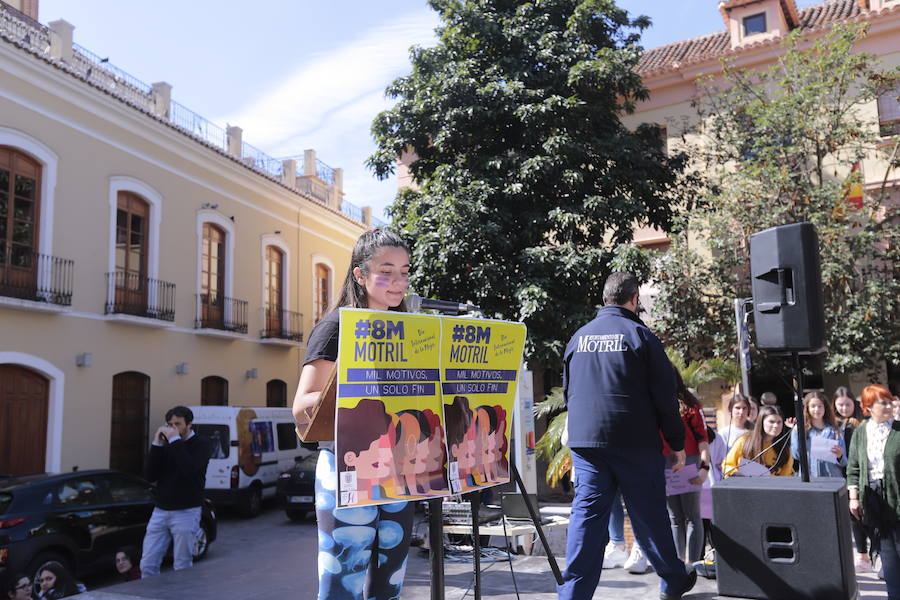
x,y
777,146
527,177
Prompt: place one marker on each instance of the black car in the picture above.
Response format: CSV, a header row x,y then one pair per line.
x,y
79,519
296,488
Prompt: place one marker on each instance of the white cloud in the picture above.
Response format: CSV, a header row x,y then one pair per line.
x,y
328,104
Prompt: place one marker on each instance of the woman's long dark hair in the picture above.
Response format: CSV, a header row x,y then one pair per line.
x,y
686,400
754,446
353,295
65,585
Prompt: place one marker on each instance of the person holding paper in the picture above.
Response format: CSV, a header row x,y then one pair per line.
x,y
766,445
824,442
684,504
620,389
873,481
849,416
377,278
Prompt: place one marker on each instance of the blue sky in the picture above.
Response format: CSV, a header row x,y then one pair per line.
x,y
298,74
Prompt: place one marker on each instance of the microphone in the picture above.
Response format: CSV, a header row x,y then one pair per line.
x,y
417,303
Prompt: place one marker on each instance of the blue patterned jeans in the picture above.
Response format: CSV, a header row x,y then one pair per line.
x,y
362,550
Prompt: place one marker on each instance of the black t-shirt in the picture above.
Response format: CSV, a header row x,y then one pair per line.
x,y
323,341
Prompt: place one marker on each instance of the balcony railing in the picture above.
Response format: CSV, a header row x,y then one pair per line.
x,y
221,312
352,211
119,82
282,324
27,275
139,296
315,189
23,29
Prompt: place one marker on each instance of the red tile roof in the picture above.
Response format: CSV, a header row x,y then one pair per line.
x,y
712,45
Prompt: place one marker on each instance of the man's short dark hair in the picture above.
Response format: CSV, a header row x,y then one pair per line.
x,y
180,411
620,288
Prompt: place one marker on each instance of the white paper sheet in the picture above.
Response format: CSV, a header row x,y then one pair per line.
x,y
749,468
677,481
820,449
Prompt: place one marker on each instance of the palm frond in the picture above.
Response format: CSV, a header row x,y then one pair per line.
x,y
729,370
553,402
559,466
550,443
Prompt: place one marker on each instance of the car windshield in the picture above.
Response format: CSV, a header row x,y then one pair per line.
x,y
5,500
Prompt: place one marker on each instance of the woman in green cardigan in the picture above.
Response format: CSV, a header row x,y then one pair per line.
x,y
873,480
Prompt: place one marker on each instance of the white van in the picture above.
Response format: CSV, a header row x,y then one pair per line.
x,y
251,447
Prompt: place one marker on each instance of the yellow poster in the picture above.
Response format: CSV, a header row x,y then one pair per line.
x,y
389,431
480,361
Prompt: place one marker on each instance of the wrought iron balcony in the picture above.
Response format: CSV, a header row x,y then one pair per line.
x,y
282,324
139,296
27,275
221,312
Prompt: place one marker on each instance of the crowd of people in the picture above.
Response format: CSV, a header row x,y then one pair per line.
x,y
53,580
761,435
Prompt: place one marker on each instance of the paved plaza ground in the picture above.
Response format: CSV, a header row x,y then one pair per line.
x,y
270,557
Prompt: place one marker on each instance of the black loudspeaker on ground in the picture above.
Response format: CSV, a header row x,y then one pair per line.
x,y
780,538
787,289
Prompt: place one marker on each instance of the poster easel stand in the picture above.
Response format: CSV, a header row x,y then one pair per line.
x,y
436,539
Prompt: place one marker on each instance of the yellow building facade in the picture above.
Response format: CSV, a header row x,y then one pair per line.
x,y
147,257
752,38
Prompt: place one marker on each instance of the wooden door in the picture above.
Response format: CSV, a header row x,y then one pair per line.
x,y
323,291
214,391
212,277
274,283
24,404
20,178
129,426
276,393
132,230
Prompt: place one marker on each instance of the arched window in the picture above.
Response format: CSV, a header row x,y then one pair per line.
x,y
212,276
20,177
323,297
214,391
129,422
276,393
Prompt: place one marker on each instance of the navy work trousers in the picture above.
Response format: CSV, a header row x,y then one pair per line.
x,y
599,474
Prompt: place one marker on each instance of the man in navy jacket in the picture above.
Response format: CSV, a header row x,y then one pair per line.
x,y
620,392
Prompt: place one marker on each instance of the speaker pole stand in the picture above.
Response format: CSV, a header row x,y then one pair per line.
x,y
798,411
436,547
475,503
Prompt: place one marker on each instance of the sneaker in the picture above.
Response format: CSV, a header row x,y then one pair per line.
x,y
688,586
705,568
637,563
615,556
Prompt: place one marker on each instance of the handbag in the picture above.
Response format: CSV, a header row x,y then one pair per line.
x,y
319,423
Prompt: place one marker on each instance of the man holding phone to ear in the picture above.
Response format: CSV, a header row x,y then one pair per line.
x,y
177,465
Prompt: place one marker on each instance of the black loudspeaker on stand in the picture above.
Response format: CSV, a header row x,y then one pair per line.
x,y
780,538
788,312
787,289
